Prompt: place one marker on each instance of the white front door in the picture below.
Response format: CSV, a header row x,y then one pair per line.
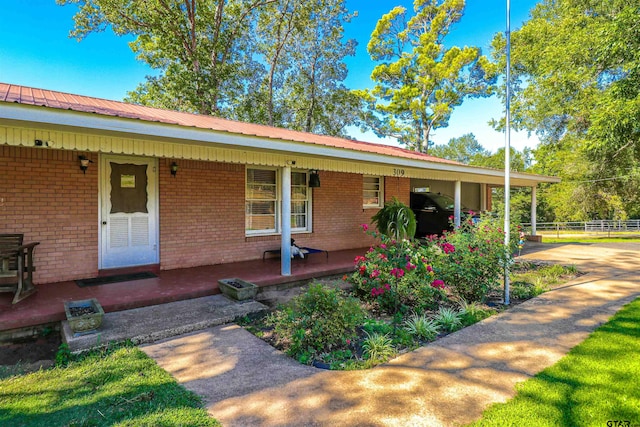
x,y
129,209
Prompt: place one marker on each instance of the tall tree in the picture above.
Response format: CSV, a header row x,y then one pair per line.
x,y
316,98
418,80
301,44
197,45
576,70
274,62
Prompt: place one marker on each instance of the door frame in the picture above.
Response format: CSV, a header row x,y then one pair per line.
x,y
103,192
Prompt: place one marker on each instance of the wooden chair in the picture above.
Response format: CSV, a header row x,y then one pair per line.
x,y
16,266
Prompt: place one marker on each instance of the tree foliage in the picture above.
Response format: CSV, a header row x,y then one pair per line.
x,y
465,149
275,62
418,81
302,44
576,83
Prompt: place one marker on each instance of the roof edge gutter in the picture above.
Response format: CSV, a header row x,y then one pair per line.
x,y
93,121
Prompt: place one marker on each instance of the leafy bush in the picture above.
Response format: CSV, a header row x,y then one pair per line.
x,y
316,322
397,274
422,327
471,260
371,326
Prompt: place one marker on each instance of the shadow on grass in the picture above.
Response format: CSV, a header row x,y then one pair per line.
x,y
123,388
595,383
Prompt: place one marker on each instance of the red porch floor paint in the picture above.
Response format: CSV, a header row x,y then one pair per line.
x,y
47,305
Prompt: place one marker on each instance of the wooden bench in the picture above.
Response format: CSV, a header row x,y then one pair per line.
x,y
16,266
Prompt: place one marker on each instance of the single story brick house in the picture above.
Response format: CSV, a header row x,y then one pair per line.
x,y
108,185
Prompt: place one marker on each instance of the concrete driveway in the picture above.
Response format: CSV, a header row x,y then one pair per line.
x,y
245,382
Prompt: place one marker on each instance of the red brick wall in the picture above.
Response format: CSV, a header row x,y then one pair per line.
x,y
338,211
397,187
45,196
201,214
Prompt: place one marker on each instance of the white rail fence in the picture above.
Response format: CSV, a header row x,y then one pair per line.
x,y
596,227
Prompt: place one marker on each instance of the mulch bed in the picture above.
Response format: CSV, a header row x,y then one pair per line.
x,y
30,350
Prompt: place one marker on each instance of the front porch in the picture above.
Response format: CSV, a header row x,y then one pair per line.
x,y
47,305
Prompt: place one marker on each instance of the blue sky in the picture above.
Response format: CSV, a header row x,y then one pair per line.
x,y
35,50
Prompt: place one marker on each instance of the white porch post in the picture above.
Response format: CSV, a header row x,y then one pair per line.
x,y
457,203
285,251
534,203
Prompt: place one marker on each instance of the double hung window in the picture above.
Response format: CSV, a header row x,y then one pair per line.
x,y
263,202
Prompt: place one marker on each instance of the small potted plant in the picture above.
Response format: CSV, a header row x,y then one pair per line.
x,y
84,316
238,289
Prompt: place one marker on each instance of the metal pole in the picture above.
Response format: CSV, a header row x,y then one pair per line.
x,y
457,203
507,154
534,208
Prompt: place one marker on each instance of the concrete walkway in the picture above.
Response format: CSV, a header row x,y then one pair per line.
x,y
245,382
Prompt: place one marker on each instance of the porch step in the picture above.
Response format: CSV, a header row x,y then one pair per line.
x,y
157,322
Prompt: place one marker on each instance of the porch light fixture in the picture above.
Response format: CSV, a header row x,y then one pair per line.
x,y
174,169
84,163
314,179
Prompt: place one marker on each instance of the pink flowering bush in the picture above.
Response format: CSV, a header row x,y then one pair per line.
x,y
397,275
472,258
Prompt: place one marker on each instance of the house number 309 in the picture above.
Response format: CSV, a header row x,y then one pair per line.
x,y
398,172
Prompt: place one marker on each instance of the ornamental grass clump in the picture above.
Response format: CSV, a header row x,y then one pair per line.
x,y
473,312
318,321
378,348
448,319
422,327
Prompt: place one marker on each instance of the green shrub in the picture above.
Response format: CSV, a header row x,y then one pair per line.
x,y
471,260
422,327
378,348
371,326
316,322
397,275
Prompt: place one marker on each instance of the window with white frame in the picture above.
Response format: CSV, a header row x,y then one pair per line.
x,y
372,191
299,201
263,200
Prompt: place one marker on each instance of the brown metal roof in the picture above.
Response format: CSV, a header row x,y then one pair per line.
x,y
65,101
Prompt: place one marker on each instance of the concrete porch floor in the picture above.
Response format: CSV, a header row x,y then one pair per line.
x,y
47,305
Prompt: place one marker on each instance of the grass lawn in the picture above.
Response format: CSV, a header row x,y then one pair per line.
x,y
590,239
123,388
595,383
